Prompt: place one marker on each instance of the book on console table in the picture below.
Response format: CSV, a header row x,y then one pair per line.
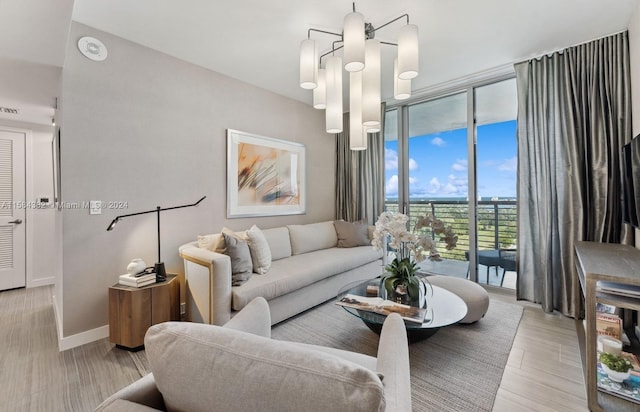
x,y
384,307
137,282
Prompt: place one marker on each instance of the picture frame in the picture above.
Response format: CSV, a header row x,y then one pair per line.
x,y
265,176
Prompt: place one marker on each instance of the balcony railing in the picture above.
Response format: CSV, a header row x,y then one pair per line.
x,y
497,222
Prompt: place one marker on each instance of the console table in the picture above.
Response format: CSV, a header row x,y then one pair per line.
x,y
133,310
611,263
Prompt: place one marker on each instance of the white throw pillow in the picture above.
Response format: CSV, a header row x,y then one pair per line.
x,y
260,252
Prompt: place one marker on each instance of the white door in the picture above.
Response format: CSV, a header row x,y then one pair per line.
x,y
12,210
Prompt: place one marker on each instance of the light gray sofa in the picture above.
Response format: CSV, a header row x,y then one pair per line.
x,y
307,268
237,367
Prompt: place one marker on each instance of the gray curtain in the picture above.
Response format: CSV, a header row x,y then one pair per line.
x,y
574,115
360,176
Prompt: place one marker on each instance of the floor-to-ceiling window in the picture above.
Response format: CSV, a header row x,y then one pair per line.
x,y
454,156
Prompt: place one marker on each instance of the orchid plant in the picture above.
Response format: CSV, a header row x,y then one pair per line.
x,y
410,246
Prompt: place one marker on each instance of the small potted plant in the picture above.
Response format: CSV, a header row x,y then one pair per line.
x,y
615,366
401,283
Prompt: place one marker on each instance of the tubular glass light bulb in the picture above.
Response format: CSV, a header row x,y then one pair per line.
x,y
353,42
401,88
320,92
333,111
356,132
371,87
308,64
408,55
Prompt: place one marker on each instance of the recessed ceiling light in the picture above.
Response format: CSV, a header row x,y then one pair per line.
x,y
92,48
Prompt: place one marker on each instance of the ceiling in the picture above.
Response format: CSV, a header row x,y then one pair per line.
x,y
258,41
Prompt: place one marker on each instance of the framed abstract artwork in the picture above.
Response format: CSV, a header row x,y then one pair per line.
x,y
265,176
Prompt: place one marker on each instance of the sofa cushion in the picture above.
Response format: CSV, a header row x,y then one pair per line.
x,y
298,271
279,242
352,234
241,265
197,367
260,252
312,237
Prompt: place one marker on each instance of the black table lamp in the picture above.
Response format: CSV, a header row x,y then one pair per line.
x,y
161,273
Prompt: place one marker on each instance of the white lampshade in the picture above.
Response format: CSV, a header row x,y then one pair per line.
x,y
408,55
308,64
371,87
333,112
353,37
401,88
357,137
320,92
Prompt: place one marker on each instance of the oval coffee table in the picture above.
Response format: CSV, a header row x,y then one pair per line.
x,y
443,309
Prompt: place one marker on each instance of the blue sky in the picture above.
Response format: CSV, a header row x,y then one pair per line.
x,y
438,164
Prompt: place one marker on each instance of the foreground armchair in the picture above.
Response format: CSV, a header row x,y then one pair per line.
x,y
237,367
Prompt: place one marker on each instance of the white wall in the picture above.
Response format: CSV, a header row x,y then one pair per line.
x,y
634,56
148,129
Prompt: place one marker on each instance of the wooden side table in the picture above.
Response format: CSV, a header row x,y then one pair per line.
x,y
133,310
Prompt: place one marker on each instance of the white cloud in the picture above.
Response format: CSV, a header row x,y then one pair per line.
x,y
460,165
509,165
391,188
390,159
438,141
455,186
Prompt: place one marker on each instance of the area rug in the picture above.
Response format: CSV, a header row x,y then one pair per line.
x,y
457,369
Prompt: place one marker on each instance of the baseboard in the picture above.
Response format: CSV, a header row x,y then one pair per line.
x,y
34,283
70,342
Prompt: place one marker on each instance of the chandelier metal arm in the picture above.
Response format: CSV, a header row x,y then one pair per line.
x,y
392,21
322,31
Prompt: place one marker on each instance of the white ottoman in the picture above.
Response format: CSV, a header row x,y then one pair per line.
x,y
474,295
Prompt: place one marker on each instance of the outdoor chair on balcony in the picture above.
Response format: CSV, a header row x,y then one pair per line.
x,y
507,261
488,258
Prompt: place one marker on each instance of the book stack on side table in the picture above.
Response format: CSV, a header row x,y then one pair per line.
x,y
137,282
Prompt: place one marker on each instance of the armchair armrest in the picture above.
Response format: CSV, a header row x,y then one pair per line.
x,y
254,318
208,282
393,364
143,392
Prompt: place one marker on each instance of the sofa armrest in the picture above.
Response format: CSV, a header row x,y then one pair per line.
x,y
208,282
143,392
254,318
393,364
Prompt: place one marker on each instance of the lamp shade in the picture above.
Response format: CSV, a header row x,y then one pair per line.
x,y
353,37
401,88
308,64
320,92
408,54
357,136
333,111
371,87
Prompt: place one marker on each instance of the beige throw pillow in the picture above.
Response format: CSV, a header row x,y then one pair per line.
x,y
214,243
260,252
352,234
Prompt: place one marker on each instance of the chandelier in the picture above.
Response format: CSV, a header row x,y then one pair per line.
x,y
361,59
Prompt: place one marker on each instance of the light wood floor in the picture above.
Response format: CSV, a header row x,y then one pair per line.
x,y
543,372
